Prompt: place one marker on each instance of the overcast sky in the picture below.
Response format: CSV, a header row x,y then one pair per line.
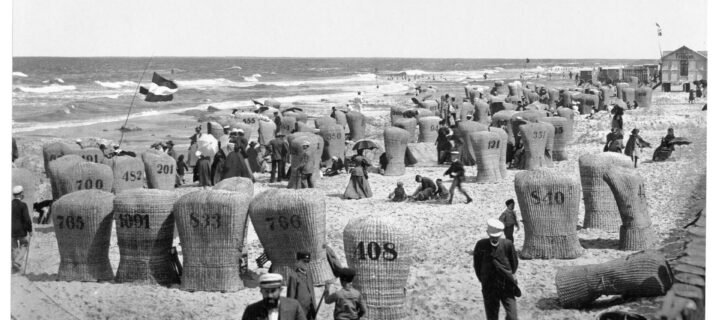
x,y
360,28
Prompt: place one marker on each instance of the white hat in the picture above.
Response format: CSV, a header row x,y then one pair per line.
x,y
240,131
198,153
495,227
270,280
17,189
78,140
226,127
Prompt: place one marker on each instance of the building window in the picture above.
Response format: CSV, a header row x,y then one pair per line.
x,y
683,68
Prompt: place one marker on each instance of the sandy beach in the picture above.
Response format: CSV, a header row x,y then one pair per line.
x,y
442,282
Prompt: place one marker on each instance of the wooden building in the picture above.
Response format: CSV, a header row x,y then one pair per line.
x,y
682,67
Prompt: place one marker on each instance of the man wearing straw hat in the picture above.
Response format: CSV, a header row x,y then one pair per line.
x,y
300,285
21,229
273,306
495,262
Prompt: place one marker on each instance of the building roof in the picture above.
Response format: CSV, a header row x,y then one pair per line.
x,y
667,53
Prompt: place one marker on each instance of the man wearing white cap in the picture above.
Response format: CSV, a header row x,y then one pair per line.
x,y
273,306
495,262
21,229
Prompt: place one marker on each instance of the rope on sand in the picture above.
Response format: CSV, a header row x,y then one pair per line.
x,y
53,300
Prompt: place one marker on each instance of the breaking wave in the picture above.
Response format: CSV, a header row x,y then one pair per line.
x,y
46,89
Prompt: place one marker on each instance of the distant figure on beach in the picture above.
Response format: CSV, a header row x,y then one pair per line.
x,y
443,145
79,143
358,187
21,229
495,262
398,195
457,172
359,101
509,219
273,306
634,145
691,98
203,170
278,149
484,76
217,165
613,141
180,172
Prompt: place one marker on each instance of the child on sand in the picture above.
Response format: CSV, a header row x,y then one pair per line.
x,y
509,218
348,301
398,195
181,168
442,193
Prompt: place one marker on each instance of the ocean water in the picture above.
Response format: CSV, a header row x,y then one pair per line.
x,y
49,92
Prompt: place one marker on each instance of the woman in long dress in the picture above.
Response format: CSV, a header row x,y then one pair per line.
x,y
358,187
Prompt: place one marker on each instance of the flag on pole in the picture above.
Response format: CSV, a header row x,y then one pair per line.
x,y
161,89
527,60
659,30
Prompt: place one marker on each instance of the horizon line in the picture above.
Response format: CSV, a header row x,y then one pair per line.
x,y
290,57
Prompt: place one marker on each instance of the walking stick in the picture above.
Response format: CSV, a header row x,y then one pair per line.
x,y
317,310
27,255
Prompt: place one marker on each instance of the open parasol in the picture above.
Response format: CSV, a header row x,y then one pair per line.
x,y
207,145
365,144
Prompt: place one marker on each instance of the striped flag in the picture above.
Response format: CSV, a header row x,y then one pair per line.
x,y
659,30
161,89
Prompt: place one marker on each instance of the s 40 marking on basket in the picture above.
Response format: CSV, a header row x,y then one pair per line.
x,y
70,222
204,220
284,223
549,198
89,184
134,220
375,252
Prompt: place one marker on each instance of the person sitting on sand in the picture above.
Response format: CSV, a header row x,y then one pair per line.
x,y
426,188
336,167
613,141
398,195
442,193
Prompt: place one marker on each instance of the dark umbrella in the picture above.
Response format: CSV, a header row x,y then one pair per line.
x,y
257,102
292,109
365,144
261,109
679,141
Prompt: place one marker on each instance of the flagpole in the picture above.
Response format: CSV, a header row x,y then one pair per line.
x,y
123,128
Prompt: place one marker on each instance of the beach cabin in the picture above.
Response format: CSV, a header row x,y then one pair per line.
x,y
612,74
587,74
682,67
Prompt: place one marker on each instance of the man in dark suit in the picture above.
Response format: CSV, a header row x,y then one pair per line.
x,y
300,285
21,229
278,152
495,262
273,306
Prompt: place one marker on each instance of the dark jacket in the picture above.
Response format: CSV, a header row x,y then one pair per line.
x,y
21,223
278,149
428,183
300,288
288,309
235,166
495,276
204,171
456,170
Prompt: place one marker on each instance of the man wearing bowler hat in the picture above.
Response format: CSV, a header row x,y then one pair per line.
x,y
495,262
273,306
300,285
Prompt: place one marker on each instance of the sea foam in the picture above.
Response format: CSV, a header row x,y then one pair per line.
x,y
47,89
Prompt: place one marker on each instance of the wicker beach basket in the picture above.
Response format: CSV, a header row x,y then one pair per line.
x,y
519,118
272,103
396,113
465,109
496,104
251,119
83,224
502,159
550,143
553,98
381,252
628,95
409,125
30,182
325,121
334,140
211,224
643,274
562,136
535,138
396,141
533,97
502,119
58,166
356,123
428,129
467,155
297,155
482,112
643,96
85,176
341,119
266,132
287,125
90,154
566,98
300,116
549,203
601,210
52,151
128,173
590,101
145,226
607,94
629,190
236,184
288,222
304,127
215,129
159,170
248,130
486,146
